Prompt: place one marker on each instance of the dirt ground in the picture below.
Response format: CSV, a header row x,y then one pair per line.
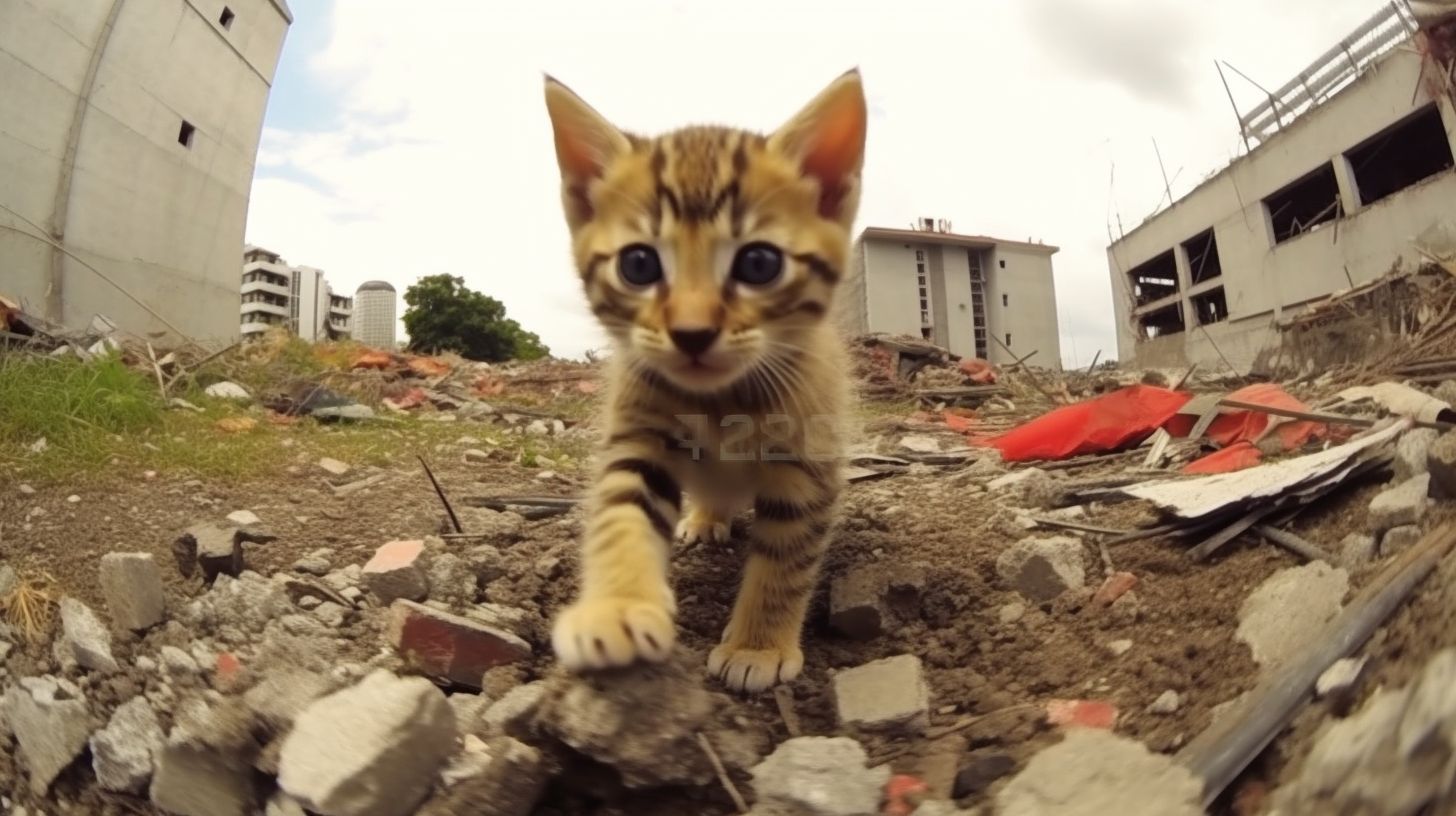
x,y
935,532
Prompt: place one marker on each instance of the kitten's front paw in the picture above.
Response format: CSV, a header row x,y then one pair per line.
x,y
698,527
754,670
603,632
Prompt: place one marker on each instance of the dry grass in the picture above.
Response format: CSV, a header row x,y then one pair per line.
x,y
30,606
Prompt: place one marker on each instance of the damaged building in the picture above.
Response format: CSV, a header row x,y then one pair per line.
x,y
976,296
1349,169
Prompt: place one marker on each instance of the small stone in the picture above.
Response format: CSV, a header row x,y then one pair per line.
x,y
333,466
856,604
1357,549
547,567
1043,568
243,518
980,772
89,642
883,695
227,390
73,499
476,456
373,749
1012,612
820,776
1399,539
1113,587
124,752
397,571
1403,503
1441,462
440,644
178,663
1118,648
1340,678
135,594
1167,703
920,444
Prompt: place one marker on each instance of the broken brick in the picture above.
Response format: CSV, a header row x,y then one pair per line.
x,y
856,607
397,571
903,794
444,645
1081,714
1116,585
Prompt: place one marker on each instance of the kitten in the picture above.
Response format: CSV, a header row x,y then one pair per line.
x,y
711,256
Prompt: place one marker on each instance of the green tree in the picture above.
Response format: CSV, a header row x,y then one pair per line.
x,y
443,314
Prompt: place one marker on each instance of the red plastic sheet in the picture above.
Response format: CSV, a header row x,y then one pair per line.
x,y
1237,456
1249,426
1102,425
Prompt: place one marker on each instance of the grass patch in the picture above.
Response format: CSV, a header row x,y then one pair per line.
x,y
105,422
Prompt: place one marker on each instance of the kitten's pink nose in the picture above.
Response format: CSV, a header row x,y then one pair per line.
x,y
693,342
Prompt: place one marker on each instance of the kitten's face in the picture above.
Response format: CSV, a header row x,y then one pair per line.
x,y
707,252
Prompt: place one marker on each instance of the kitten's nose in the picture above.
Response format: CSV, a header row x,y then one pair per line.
x,y
693,341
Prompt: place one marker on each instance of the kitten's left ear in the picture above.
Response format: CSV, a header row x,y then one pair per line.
x,y
585,144
827,139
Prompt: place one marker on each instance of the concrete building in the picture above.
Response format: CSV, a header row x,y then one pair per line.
x,y
128,135
977,296
297,298
1349,168
375,312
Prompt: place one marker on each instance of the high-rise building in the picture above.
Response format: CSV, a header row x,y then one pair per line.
x,y
297,298
375,315
128,137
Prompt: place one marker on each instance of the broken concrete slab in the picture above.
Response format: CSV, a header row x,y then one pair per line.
x,y
204,767
123,753
451,646
134,591
820,776
1413,452
1399,539
888,695
500,777
218,549
373,749
1043,568
50,721
1289,609
1093,772
1358,549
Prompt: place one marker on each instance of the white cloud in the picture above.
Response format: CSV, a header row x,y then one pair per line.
x,y
994,115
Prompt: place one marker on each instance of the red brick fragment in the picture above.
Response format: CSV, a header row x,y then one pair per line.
x,y
229,672
1081,714
1116,585
444,645
904,794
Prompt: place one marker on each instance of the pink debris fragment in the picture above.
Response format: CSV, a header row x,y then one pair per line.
x,y
1081,714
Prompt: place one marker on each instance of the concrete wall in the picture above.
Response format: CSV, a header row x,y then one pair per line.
x,y
1030,313
1262,280
96,92
850,315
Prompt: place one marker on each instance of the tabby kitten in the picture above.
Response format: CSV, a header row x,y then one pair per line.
x,y
711,255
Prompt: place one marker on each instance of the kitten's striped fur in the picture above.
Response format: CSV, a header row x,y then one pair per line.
x,y
676,239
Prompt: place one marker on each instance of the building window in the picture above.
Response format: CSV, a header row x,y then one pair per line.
x,y
1203,263
1305,204
1154,279
1005,300
1164,321
1008,339
1210,307
919,255
184,136
1402,156
1001,263
226,20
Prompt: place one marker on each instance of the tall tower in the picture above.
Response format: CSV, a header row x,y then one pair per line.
x,y
375,314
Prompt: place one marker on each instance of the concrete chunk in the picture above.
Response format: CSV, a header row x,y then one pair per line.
x,y
1441,462
397,571
1399,539
820,776
86,638
856,604
885,695
1413,452
50,721
132,584
123,753
218,550
1289,609
1399,505
1043,568
373,749
1093,772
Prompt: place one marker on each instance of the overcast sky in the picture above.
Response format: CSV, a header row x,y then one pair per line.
x,y
407,143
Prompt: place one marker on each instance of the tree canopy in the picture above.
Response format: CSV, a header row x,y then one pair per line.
x,y
443,314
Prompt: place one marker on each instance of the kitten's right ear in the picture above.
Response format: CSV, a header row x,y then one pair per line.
x,y
585,143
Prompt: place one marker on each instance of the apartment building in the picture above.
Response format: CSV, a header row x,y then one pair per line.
x,y
1349,168
376,307
977,296
129,130
296,298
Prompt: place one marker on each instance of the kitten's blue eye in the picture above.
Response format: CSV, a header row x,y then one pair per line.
x,y
639,265
758,264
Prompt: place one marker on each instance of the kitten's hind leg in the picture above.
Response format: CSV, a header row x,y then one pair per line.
x,y
793,518
708,520
625,607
